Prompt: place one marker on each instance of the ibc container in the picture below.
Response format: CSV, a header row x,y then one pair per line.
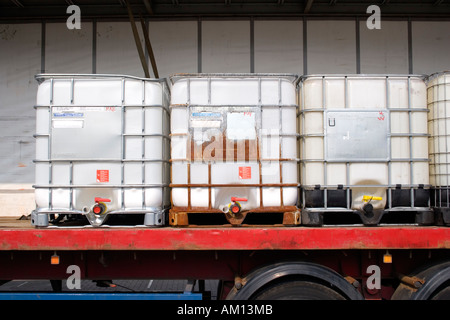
x,y
364,144
102,147
438,87
233,144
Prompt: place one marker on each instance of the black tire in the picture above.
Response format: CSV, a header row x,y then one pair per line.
x,y
298,290
443,294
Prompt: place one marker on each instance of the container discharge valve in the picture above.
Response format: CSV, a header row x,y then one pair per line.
x,y
368,207
235,207
100,206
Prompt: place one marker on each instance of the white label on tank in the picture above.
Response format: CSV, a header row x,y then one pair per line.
x,y
241,125
205,124
68,124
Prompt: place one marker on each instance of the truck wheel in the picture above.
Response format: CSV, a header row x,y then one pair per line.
x,y
443,294
298,290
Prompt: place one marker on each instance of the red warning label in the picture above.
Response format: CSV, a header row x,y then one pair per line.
x,y
102,175
245,172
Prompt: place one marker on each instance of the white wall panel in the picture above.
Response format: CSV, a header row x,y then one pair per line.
x,y
20,56
384,50
174,45
279,46
226,46
430,46
116,49
331,46
68,51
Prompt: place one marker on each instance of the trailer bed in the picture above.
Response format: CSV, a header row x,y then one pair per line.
x,y
20,235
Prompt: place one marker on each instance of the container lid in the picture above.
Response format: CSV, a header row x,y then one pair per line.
x,y
288,76
44,76
436,75
330,75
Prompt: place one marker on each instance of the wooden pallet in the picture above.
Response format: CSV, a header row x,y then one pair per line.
x,y
285,216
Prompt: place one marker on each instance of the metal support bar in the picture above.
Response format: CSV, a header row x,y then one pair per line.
x,y
137,40
149,47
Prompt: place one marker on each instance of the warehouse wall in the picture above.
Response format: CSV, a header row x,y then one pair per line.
x,y
247,45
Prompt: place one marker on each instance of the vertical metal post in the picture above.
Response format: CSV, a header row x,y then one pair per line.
x,y
411,162
188,166
71,183
358,46
199,46
144,138
252,44
302,142
94,46
446,173
259,141
325,147
50,176
72,97
388,107
434,137
305,46
410,53
43,31
347,167
280,132
122,164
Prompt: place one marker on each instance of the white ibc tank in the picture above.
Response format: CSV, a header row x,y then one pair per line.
x,y
364,140
233,135
102,147
438,86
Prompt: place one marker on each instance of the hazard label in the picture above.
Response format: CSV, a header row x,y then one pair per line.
x,y
102,175
245,172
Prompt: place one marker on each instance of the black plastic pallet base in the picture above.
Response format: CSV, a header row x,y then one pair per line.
x,y
442,216
320,218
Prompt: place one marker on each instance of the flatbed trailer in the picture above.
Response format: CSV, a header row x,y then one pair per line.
x,y
250,262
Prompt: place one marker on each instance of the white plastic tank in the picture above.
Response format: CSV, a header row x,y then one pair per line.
x,y
233,136
438,86
102,147
364,139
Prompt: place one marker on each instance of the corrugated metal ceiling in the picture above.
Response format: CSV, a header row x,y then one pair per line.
x,y
116,9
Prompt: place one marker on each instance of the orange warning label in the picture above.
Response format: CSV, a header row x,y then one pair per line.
x,y
102,175
245,172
